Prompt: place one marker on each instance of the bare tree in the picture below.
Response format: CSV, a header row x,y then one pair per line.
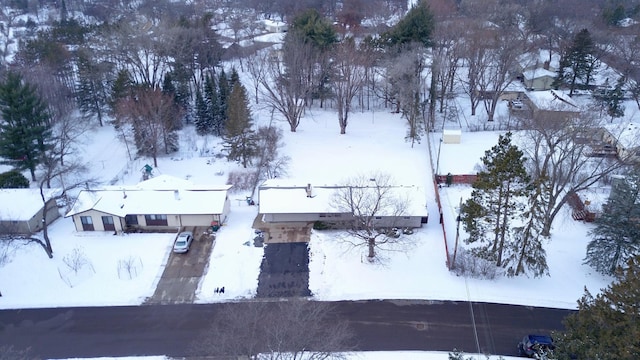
x,y
257,68
7,18
405,75
503,49
141,51
285,88
293,329
349,78
446,57
154,117
474,53
557,147
367,198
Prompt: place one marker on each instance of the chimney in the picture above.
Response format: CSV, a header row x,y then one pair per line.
x,y
176,194
124,194
309,191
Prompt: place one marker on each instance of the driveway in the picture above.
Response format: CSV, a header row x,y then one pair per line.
x,y
284,271
182,274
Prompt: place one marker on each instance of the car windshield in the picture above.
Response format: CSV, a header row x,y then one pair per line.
x,y
181,243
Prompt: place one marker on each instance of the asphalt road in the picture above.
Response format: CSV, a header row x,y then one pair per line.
x,y
169,329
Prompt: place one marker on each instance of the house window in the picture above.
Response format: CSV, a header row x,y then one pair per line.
x,y
406,217
107,221
323,215
87,223
131,219
378,217
156,220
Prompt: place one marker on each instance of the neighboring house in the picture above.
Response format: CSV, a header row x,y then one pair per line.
x,y
625,138
160,204
538,79
538,69
275,26
280,202
551,104
538,60
21,210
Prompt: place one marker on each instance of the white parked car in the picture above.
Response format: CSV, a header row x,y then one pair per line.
x,y
183,242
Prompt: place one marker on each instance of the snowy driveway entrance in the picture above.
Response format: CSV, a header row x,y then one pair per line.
x,y
182,274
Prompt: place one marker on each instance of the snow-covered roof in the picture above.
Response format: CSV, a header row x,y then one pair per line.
x,y
22,204
537,73
168,182
163,194
628,135
278,197
554,100
143,202
537,59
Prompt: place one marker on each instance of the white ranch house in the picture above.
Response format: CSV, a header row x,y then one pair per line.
x,y
159,204
288,202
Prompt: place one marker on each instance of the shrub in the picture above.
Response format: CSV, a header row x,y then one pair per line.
x,y
13,179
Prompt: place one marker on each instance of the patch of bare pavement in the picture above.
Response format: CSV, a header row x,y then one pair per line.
x,y
182,274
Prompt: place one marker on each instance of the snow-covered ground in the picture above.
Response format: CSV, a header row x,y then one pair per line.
x,y
374,142
124,269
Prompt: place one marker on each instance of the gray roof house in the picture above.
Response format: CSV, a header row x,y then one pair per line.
x,y
21,210
287,201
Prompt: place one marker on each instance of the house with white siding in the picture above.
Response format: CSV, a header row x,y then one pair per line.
x,y
289,202
159,204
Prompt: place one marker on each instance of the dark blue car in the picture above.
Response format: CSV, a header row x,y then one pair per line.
x,y
535,345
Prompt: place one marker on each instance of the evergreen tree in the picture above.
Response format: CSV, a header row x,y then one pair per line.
x,y
92,91
120,89
25,130
220,113
579,58
13,180
616,237
526,252
417,27
605,327
240,139
213,105
234,78
314,29
615,100
496,201
202,120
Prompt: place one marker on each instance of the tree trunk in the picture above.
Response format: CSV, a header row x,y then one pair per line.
x,y
46,245
371,243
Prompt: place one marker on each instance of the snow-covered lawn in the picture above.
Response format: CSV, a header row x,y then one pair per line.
x,y
374,142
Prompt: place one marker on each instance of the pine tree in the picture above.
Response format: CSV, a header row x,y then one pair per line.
x,y
615,100
605,327
213,106
240,139
92,91
120,89
616,237
202,114
580,59
417,26
496,200
25,130
220,115
526,252
234,78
